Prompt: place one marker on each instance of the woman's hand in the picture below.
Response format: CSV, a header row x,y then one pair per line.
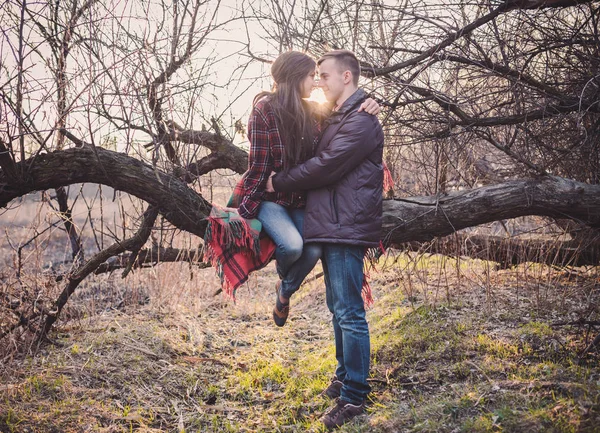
x,y
269,187
370,106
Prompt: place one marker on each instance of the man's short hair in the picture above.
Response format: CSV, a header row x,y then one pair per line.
x,y
346,61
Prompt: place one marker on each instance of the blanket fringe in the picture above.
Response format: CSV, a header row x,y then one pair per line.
x,y
371,257
212,257
388,180
233,232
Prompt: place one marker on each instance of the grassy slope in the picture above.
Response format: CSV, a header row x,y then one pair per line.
x,y
450,354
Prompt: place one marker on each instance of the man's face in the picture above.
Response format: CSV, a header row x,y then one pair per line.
x,y
332,80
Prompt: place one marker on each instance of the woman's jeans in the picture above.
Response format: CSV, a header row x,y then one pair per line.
x,y
295,259
343,272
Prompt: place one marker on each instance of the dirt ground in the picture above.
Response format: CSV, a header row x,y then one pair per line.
x,y
457,346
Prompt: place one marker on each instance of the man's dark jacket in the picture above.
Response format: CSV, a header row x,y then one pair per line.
x,y
344,181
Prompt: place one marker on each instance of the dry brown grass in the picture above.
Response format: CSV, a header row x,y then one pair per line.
x,y
159,352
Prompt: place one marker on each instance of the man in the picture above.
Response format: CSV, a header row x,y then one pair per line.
x,y
343,213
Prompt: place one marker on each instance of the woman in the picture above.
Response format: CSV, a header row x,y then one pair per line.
x,y
283,130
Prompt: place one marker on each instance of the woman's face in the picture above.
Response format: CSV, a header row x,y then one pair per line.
x,y
308,84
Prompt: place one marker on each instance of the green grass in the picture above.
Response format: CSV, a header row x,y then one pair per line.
x,y
471,364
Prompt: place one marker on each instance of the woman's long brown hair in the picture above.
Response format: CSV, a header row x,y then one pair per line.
x,y
293,114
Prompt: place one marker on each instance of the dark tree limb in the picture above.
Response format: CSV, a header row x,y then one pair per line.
x,y
152,256
236,158
203,166
423,218
511,251
179,204
544,4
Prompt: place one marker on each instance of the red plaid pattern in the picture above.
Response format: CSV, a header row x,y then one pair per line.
x,y
235,248
266,156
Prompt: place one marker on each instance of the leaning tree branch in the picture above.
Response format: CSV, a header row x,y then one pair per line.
x,y
203,166
235,158
179,204
449,40
544,4
417,219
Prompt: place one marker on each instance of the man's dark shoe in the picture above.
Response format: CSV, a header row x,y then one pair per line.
x,y
342,413
334,389
281,310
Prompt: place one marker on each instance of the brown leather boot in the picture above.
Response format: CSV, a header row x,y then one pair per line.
x,y
342,413
281,310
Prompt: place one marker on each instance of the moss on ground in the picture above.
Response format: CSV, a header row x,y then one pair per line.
x,y
474,359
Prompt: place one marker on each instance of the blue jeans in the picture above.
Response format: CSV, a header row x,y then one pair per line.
x,y
343,271
295,260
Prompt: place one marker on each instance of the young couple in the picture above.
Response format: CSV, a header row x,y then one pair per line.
x,y
324,200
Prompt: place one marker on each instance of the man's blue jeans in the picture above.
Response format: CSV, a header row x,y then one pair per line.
x,y
343,271
294,259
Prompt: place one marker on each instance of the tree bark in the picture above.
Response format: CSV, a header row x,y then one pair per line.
x,y
511,251
423,218
543,4
179,204
404,220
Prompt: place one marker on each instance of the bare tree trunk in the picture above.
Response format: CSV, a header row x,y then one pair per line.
x,y
423,218
179,204
67,216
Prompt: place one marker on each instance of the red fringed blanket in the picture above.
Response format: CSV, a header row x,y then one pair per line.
x,y
234,247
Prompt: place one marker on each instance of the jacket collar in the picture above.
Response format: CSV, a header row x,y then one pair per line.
x,y
353,101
